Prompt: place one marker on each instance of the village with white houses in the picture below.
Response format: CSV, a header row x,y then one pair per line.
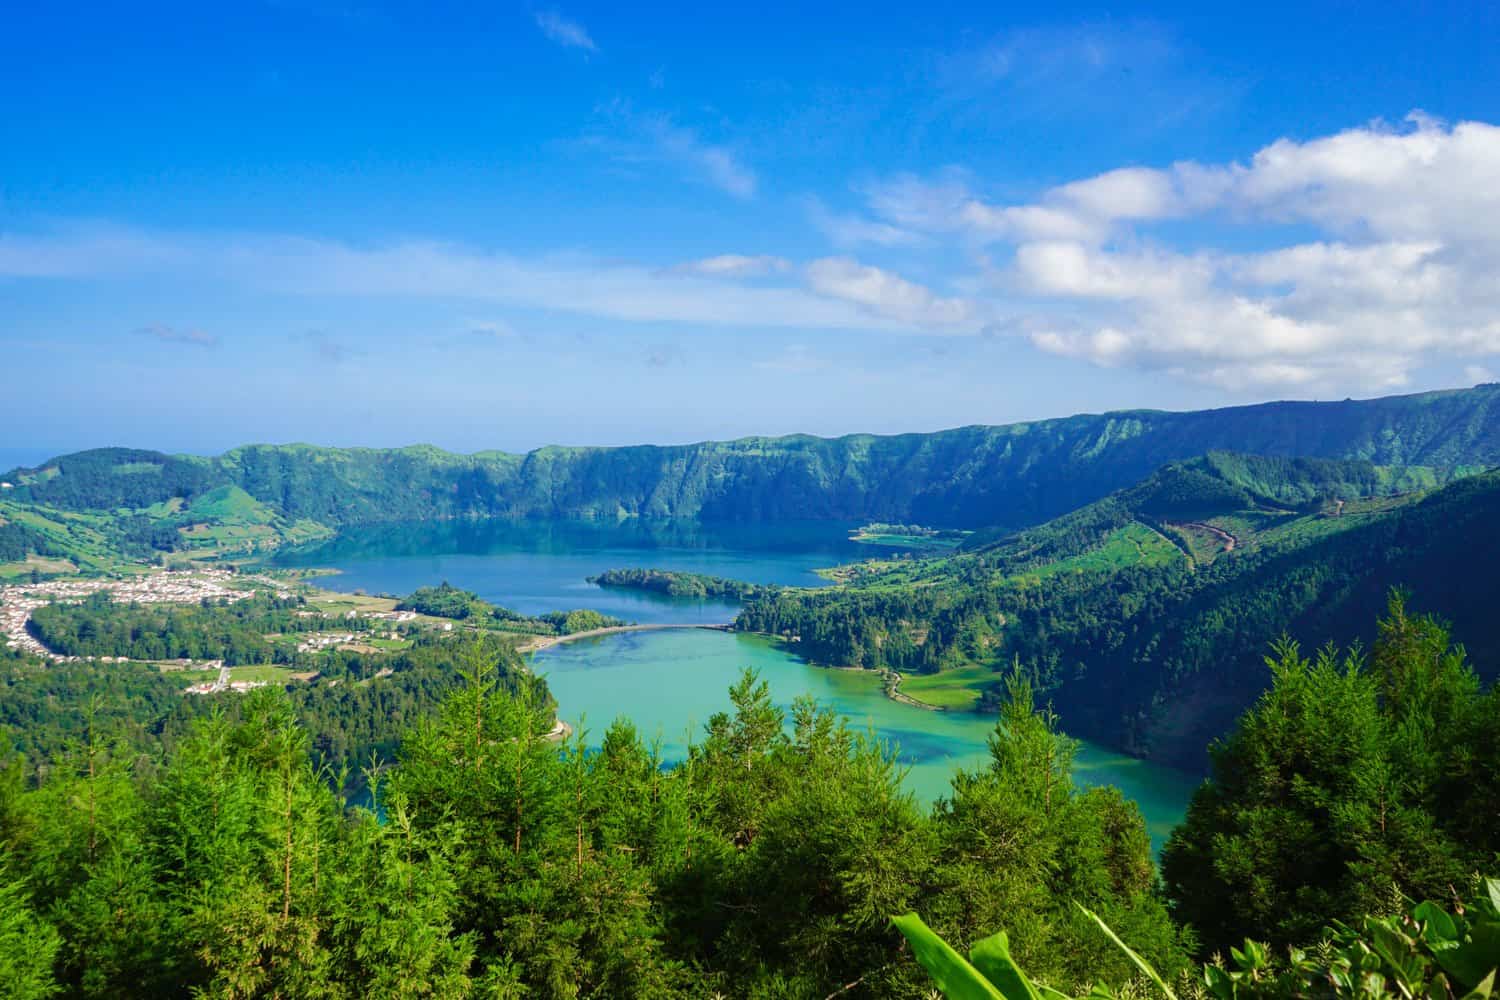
x,y
360,626
18,601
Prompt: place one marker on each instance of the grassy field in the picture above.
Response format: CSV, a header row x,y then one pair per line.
x,y
229,521
1132,545
270,673
261,672
333,603
82,538
39,564
956,690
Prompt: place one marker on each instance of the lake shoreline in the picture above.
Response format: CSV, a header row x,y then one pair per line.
x,y
891,678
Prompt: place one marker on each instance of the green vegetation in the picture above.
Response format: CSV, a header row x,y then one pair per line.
x,y
581,620
908,536
114,509
957,689
1350,775
156,844
1148,632
91,542
1421,951
763,865
17,541
1355,786
47,707
990,478
232,632
220,523
448,601
204,846
677,584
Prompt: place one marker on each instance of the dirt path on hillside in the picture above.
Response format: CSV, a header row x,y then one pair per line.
x,y
1229,540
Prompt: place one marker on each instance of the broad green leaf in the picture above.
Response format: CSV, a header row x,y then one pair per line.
x,y
1477,958
1483,990
1492,887
1437,926
1218,982
953,974
991,957
1140,962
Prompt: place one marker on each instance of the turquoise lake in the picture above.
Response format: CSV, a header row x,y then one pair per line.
x,y
533,566
670,682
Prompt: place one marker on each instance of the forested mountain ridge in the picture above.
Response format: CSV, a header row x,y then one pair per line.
x,y
1146,614
1002,477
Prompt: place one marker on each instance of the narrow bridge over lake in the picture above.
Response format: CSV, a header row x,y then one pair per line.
x,y
544,641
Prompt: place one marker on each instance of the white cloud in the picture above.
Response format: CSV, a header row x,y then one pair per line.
x,y
634,137
733,265
1074,270
441,272
565,32
848,231
715,164
1402,277
1088,210
1372,257
886,295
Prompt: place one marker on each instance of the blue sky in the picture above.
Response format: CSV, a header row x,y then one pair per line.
x,y
499,226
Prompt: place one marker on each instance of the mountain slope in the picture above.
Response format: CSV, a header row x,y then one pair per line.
x,y
1146,614
1001,477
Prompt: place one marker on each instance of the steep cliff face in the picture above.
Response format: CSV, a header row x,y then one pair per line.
x,y
1002,477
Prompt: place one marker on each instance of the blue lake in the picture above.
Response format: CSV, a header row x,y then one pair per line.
x,y
670,682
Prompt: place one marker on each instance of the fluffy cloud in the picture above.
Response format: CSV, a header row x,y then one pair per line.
x,y
886,295
1403,275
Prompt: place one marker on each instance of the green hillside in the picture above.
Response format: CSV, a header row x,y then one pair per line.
x,y
1145,614
1003,477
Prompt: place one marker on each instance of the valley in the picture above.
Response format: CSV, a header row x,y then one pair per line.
x,y
1143,611
883,672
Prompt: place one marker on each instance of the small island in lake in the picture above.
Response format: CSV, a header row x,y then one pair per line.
x,y
908,536
677,584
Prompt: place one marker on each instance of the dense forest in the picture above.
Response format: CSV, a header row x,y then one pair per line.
x,y
46,707
1140,642
17,541
234,632
1353,773
768,863
1002,477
